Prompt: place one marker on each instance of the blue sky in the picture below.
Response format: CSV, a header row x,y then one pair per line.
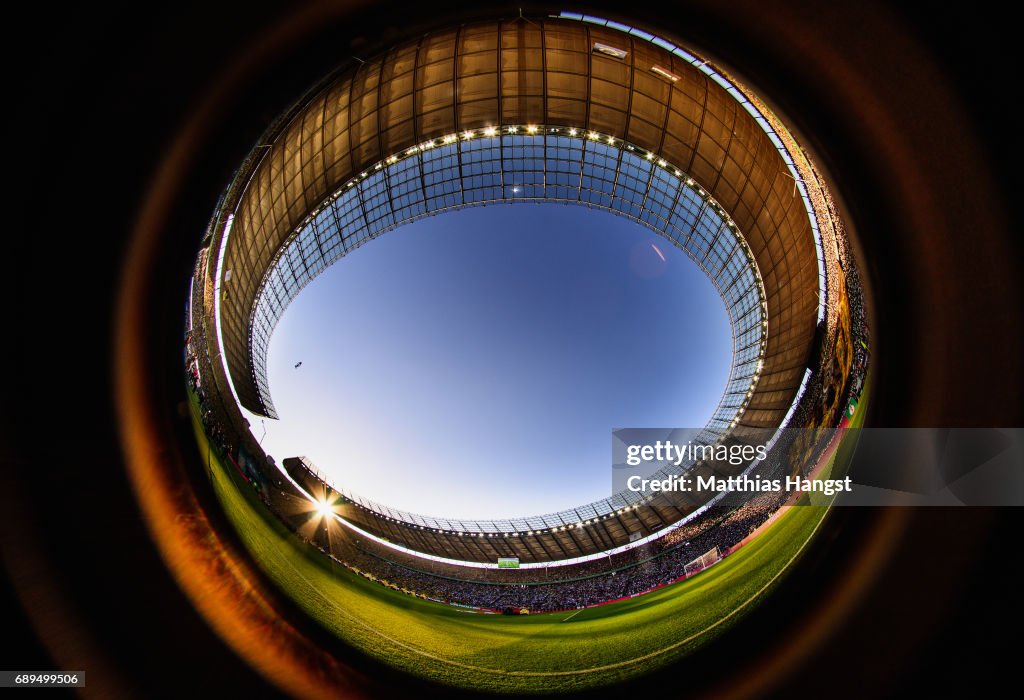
x,y
474,364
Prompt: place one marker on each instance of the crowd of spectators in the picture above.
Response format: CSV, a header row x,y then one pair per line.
x,y
198,368
558,587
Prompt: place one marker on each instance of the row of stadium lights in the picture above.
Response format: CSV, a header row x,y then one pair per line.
x,y
531,130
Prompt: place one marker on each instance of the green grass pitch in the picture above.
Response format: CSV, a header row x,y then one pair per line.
x,y
548,652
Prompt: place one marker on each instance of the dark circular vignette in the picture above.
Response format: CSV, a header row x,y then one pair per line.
x,y
129,124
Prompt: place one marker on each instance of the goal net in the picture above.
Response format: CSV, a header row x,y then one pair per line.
x,y
712,556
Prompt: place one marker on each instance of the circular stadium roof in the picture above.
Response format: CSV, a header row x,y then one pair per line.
x,y
569,109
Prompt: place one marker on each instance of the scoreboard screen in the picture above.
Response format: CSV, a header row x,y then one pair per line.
x,y
508,562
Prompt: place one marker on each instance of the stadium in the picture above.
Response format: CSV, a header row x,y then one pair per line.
x,y
563,108
171,160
